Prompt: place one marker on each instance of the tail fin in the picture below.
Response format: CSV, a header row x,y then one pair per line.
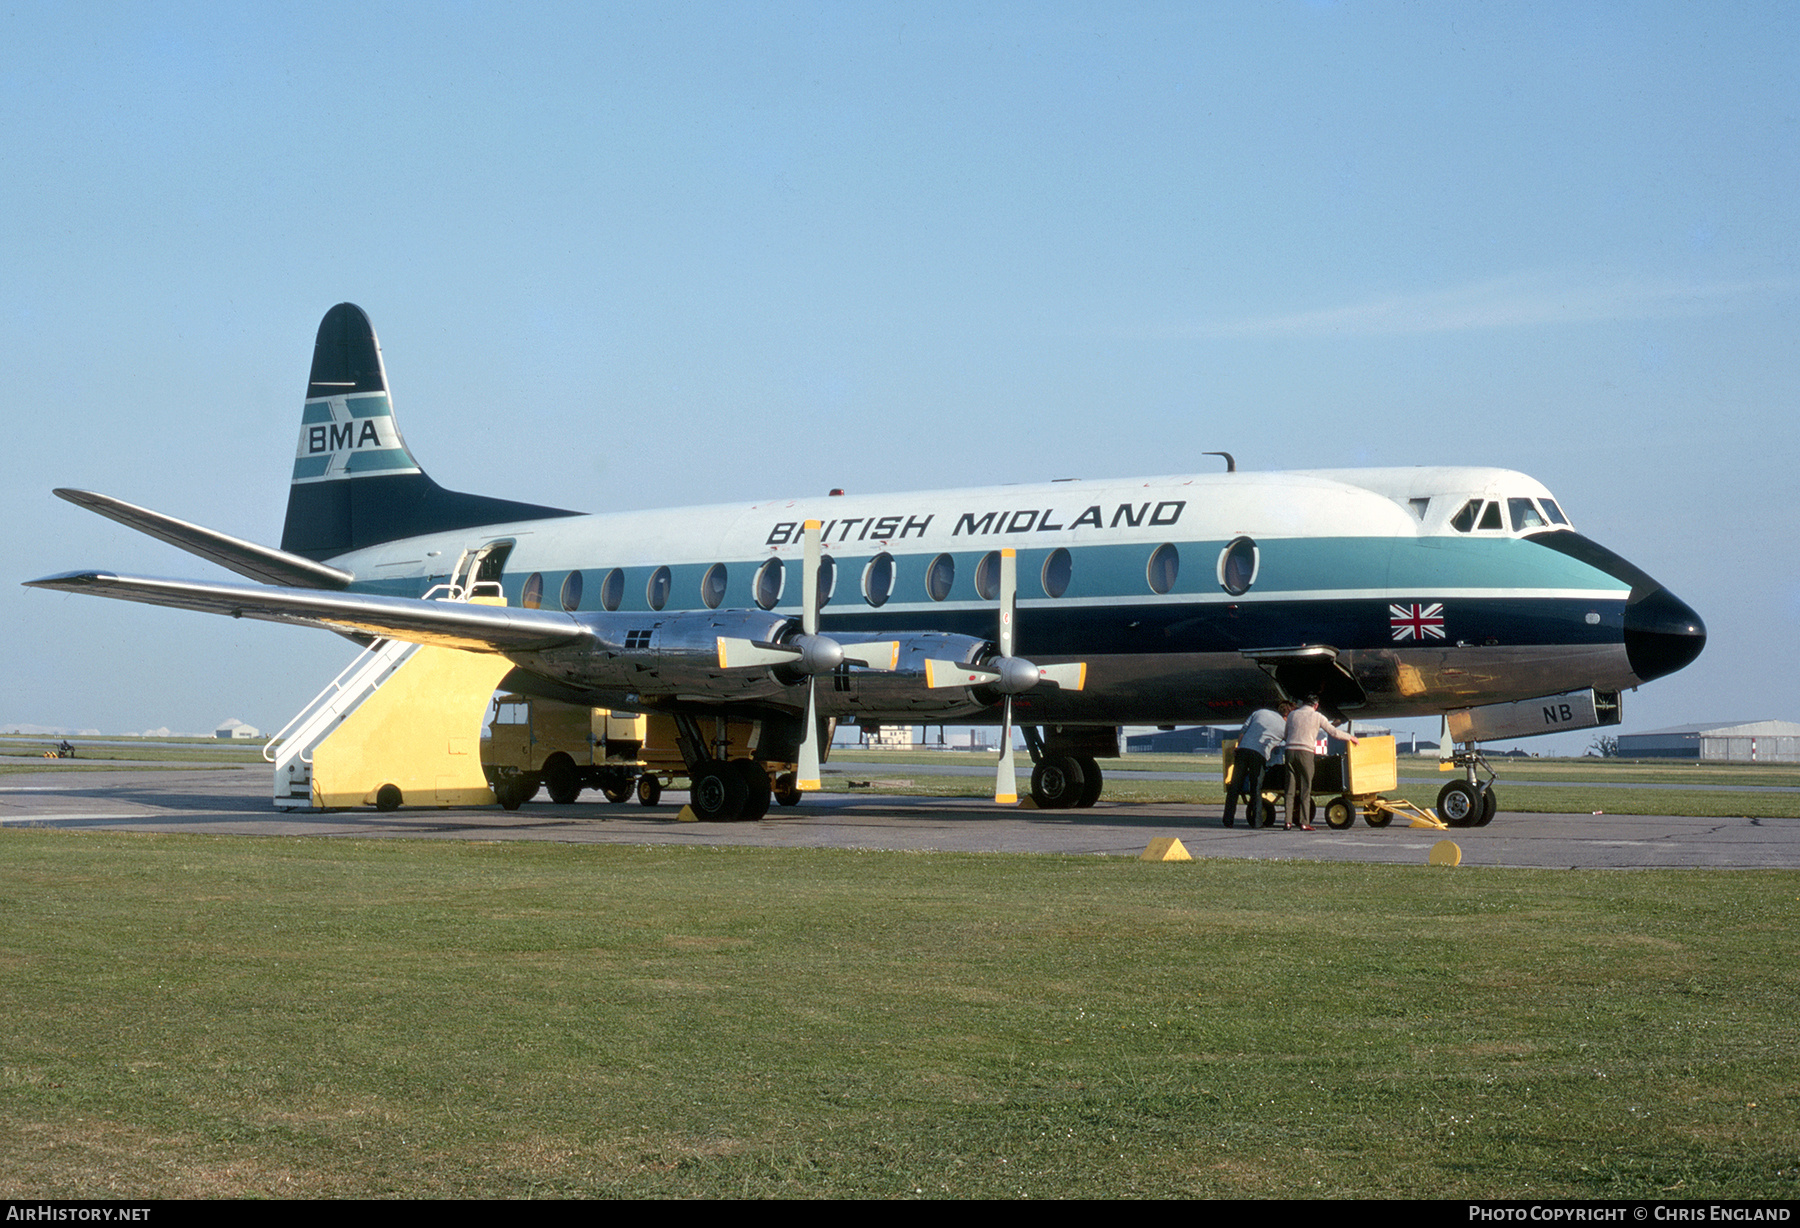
x,y
355,482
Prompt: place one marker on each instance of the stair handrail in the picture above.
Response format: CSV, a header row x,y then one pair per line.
x,y
336,684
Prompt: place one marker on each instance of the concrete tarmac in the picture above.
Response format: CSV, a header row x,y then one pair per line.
x,y
236,802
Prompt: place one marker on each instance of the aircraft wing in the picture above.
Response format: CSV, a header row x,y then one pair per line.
x,y
261,563
452,624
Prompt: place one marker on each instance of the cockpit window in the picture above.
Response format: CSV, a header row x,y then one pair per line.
x,y
1490,519
1418,506
1525,515
1554,512
1464,520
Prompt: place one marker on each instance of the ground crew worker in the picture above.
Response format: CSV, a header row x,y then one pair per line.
x,y
1304,727
1260,740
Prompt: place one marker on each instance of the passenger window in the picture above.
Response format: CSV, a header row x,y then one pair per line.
x,y
1490,519
1237,566
1524,515
768,583
533,594
987,576
1165,566
571,591
712,586
878,579
940,577
612,590
1464,520
1058,568
657,591
827,579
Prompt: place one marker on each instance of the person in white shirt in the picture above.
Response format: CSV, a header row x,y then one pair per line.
x,y
1306,725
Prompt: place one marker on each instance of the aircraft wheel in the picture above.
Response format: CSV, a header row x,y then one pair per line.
x,y
1458,805
1056,783
1490,806
388,798
561,778
717,793
1092,782
1338,815
787,789
649,790
757,793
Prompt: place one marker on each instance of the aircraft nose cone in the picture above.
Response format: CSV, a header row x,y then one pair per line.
x,y
1662,634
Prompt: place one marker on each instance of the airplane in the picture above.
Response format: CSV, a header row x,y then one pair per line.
x,y
1186,599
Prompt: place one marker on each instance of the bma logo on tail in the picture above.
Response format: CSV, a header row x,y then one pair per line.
x,y
350,436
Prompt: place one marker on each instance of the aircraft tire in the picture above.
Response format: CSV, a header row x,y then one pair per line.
x,y
717,793
1092,782
1056,783
1338,814
649,790
757,793
787,789
388,798
1490,806
1458,805
561,778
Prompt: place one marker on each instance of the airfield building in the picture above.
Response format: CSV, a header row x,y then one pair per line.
x,y
1746,742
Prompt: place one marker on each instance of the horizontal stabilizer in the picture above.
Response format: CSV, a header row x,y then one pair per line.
x,y
452,624
262,563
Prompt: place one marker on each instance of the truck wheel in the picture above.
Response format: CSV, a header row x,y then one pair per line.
x,y
787,789
561,778
649,790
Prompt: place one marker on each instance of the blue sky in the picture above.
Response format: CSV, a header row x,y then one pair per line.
x,y
635,256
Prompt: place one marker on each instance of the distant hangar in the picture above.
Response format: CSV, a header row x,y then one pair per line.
x,y
1751,742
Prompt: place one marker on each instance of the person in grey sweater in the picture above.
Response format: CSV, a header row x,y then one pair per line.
x,y
1304,725
1257,745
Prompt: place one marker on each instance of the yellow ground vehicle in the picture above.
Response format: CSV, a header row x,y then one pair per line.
x,y
564,748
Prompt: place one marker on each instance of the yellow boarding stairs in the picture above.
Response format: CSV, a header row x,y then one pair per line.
x,y
400,726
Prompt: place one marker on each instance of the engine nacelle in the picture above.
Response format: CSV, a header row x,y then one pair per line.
x,y
1530,717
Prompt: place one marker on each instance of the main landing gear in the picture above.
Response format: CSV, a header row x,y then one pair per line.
x,y
1061,780
1470,802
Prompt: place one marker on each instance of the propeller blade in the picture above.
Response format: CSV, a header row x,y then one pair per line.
x,y
737,653
882,654
1009,594
1070,677
806,775
1006,781
955,673
809,577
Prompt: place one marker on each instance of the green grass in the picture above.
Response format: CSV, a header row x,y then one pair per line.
x,y
195,1016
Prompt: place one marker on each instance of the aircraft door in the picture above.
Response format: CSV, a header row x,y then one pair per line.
x,y
483,567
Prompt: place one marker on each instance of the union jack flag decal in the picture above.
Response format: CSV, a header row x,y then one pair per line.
x,y
1417,622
